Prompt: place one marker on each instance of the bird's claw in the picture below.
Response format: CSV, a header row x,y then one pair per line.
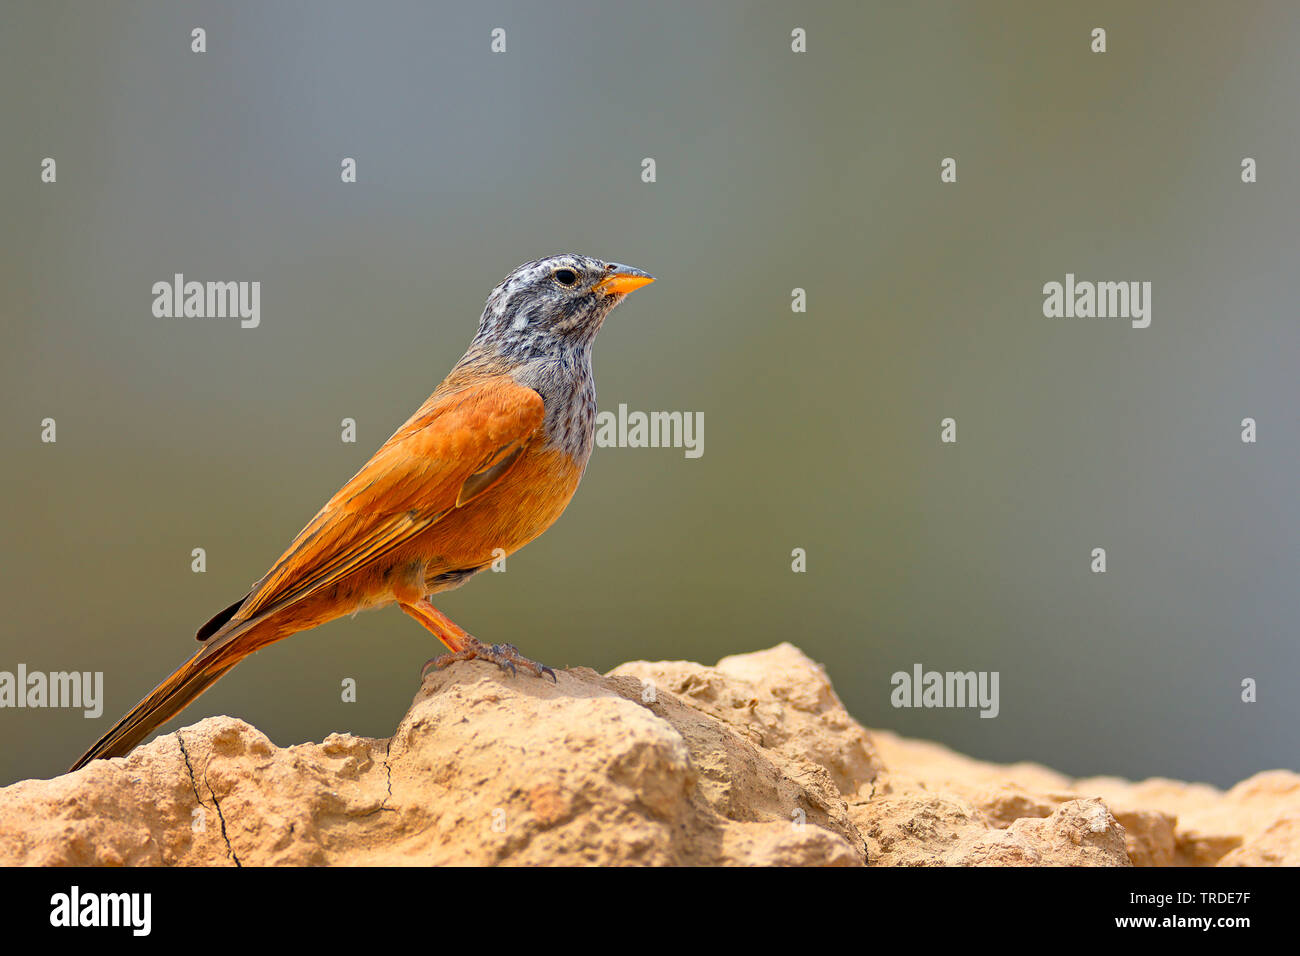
x,y
505,656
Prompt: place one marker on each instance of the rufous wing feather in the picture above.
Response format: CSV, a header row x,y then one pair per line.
x,y
458,440
461,442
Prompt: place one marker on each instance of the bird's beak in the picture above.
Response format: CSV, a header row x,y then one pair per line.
x,y
623,280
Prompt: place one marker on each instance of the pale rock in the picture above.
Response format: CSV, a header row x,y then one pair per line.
x,y
751,762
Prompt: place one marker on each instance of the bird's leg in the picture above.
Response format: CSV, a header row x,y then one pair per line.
x,y
452,635
464,646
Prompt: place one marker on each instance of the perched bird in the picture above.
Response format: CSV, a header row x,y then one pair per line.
x,y
489,461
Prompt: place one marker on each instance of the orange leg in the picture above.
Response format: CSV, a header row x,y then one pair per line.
x,y
444,628
465,646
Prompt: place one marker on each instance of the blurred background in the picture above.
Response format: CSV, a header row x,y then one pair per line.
x,y
775,170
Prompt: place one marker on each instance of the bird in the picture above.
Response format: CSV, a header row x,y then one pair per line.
x,y
484,466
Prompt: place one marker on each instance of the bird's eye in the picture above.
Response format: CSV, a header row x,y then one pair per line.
x,y
566,276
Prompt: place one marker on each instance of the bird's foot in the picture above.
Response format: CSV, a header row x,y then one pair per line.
x,y
506,656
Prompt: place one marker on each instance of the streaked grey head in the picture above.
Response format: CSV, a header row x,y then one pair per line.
x,y
553,305
538,327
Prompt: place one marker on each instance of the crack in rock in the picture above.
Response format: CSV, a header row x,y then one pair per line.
x,y
195,787
388,773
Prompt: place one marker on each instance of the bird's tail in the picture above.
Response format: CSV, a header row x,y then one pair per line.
x,y
172,696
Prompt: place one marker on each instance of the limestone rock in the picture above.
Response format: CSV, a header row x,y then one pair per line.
x,y
751,762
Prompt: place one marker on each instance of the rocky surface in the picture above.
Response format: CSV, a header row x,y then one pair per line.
x,y
753,761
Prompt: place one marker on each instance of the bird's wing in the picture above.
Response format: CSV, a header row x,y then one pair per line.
x,y
454,448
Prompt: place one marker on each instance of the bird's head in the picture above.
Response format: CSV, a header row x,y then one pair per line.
x,y
554,304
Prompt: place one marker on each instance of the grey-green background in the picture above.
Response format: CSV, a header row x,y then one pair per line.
x,y
775,170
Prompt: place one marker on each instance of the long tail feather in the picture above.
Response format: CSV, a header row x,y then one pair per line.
x,y
171,696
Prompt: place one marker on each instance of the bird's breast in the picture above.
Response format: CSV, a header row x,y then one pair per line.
x,y
527,501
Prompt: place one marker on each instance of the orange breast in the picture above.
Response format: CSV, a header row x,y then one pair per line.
x,y
520,507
